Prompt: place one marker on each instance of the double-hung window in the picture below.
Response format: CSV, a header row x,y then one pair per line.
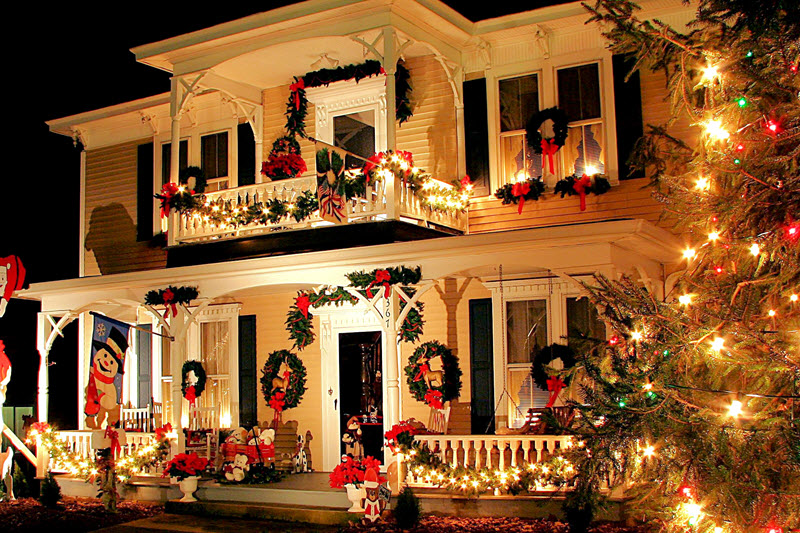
x,y
214,150
579,98
519,101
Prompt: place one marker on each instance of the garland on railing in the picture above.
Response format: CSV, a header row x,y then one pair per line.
x,y
88,467
299,320
518,192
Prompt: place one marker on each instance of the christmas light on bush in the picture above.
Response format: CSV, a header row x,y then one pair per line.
x,y
715,130
689,253
735,409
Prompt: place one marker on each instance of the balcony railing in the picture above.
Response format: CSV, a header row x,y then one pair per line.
x,y
379,202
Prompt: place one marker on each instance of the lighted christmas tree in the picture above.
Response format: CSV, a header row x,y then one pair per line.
x,y
695,398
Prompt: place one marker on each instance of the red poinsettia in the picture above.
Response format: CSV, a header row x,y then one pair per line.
x,y
282,166
352,471
40,427
185,465
434,399
161,433
401,435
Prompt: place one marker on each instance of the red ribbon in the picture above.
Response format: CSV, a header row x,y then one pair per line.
x,y
549,148
190,395
465,181
520,189
276,403
580,187
295,88
382,277
169,302
423,369
114,436
303,303
554,385
434,399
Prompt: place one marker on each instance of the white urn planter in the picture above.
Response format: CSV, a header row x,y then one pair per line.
x,y
355,494
188,486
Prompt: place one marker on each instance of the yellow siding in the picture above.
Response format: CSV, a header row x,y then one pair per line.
x,y
431,133
656,107
110,214
631,199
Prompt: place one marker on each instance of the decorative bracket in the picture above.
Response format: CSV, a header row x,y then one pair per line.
x,y
79,135
542,41
150,120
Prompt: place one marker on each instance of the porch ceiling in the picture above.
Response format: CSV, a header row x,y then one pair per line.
x,y
632,246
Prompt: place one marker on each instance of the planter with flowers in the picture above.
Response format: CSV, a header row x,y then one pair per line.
x,y
186,468
350,475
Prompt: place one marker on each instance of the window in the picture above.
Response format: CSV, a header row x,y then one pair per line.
x,y
355,133
215,350
214,149
583,322
579,98
526,335
519,101
166,154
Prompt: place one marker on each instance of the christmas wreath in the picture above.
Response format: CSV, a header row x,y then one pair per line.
x,y
543,146
283,381
433,387
192,390
193,179
542,379
517,193
171,297
571,185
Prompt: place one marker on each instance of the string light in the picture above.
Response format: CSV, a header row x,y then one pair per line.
x,y
636,336
755,249
685,299
689,253
710,73
771,312
702,184
694,511
715,130
713,236
735,409
649,451
793,298
718,344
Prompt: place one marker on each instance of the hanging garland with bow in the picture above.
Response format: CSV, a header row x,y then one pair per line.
x,y
433,388
192,390
171,297
571,185
547,147
283,381
553,383
517,193
299,320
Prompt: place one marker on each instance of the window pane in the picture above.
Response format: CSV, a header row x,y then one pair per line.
x,y
166,154
583,321
215,155
519,100
579,92
524,394
518,160
526,329
355,133
584,150
214,347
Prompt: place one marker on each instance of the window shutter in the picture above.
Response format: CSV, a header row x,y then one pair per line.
x,y
246,155
144,365
628,105
481,366
476,127
248,374
144,192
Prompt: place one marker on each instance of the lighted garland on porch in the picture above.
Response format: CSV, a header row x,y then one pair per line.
x,y
283,381
420,377
89,468
299,320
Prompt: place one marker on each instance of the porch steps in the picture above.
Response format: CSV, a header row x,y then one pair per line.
x,y
264,511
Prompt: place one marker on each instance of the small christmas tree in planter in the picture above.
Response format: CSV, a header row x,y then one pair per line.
x,y
49,491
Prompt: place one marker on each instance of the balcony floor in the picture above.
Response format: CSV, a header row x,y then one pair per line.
x,y
300,241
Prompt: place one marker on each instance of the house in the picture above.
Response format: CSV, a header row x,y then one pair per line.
x,y
500,281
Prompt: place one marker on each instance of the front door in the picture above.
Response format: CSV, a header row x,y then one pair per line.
x,y
361,394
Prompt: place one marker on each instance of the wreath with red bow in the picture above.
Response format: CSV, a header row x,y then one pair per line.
x,y
293,375
547,147
545,381
193,391
419,365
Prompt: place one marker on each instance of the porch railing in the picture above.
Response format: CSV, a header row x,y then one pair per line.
x,y
80,443
377,203
491,451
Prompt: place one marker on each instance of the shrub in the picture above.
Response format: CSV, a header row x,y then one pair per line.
x,y
407,510
50,491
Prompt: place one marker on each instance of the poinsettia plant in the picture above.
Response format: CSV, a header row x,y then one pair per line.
x,y
401,437
185,465
352,471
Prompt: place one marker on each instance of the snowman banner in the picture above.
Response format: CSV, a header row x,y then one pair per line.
x,y
104,387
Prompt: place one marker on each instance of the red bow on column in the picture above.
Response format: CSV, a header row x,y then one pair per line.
x,y
303,303
190,395
382,277
295,88
114,436
549,148
554,385
169,302
520,189
580,187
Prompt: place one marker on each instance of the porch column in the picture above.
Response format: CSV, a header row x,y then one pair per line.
x,y
390,66
175,111
177,357
391,312
43,328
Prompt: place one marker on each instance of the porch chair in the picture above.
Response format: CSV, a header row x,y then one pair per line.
x,y
156,415
203,432
135,419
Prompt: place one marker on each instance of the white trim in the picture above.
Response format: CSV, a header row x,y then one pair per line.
x,y
82,222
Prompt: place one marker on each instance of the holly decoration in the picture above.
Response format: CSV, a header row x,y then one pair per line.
x,y
293,374
193,391
571,185
419,366
547,147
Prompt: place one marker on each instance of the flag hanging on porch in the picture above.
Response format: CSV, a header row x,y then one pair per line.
x,y
104,387
330,174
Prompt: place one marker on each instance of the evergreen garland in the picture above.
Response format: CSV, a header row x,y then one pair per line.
x,y
450,389
199,371
529,189
296,387
180,295
566,186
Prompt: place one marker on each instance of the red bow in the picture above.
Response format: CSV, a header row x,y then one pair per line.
x,y
465,182
276,403
169,302
580,187
114,436
303,303
190,395
520,189
554,385
161,433
167,192
423,369
549,148
434,399
381,277
296,87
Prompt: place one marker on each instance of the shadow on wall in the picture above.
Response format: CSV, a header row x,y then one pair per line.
x,y
112,239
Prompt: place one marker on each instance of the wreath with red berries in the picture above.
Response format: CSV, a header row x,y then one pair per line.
x,y
281,398
418,364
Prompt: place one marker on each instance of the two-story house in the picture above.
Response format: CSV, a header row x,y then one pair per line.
x,y
501,282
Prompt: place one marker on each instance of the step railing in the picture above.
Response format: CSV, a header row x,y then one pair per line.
x,y
79,443
374,204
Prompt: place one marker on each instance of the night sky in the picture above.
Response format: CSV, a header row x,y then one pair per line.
x,y
69,59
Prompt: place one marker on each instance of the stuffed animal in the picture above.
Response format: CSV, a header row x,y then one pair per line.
x,y
300,460
237,470
352,438
237,436
267,436
373,505
309,438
